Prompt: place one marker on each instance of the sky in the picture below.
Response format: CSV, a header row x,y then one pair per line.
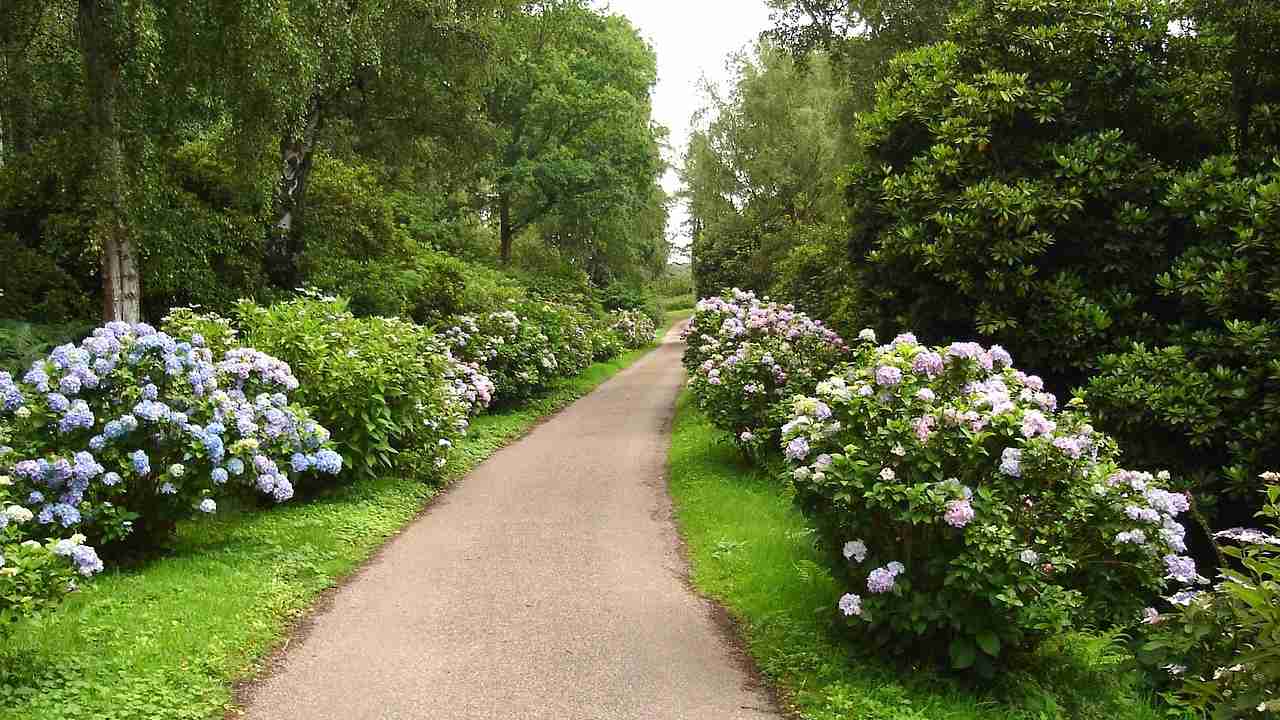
x,y
693,40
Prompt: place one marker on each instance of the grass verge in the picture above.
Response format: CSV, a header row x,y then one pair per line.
x,y
751,550
167,640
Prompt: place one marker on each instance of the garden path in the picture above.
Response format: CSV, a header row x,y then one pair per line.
x,y
548,584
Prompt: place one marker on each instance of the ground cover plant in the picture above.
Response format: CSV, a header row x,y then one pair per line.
x,y
753,550
166,639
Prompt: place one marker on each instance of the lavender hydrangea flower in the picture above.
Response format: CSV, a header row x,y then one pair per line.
x,y
58,402
1180,568
928,363
797,449
1134,537
1011,462
141,463
111,479
219,476
168,489
1035,423
850,604
881,580
959,513
887,376
328,462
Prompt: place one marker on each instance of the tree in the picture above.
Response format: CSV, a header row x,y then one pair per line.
x,y
571,108
762,163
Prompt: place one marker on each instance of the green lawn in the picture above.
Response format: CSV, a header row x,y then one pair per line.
x,y
753,551
167,640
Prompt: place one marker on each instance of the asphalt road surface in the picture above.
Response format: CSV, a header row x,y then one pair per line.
x,y
547,584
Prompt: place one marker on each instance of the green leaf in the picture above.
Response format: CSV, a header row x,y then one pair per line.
x,y
989,643
962,653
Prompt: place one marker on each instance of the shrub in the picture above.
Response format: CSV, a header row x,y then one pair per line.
x,y
217,332
745,356
975,517
606,342
34,577
1220,646
524,348
133,430
635,328
377,379
1205,394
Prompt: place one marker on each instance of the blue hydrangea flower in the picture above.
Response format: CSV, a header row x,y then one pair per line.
x,y
300,463
207,505
328,462
235,466
111,479
141,463
219,476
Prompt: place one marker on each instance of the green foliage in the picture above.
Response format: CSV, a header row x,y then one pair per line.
x,y
763,167
215,331
234,584
1205,397
577,158
375,380
34,287
23,343
1219,646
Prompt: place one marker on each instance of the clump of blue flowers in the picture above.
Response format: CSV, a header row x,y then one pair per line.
x,y
133,429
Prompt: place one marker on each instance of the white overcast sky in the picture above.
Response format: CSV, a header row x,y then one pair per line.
x,y
693,39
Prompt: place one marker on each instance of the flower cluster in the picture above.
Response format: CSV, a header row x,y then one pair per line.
x,y
986,515
635,328
136,428
745,357
1217,644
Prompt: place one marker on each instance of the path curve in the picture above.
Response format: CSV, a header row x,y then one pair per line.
x,y
547,584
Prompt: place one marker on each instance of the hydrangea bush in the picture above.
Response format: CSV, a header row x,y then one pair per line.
x,y
972,514
634,327
134,429
1221,647
379,382
525,347
34,575
745,357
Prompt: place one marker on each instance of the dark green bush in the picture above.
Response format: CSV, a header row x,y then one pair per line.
x,y
375,382
1204,393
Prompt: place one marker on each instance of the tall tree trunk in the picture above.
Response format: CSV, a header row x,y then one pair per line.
x,y
505,232
297,154
121,285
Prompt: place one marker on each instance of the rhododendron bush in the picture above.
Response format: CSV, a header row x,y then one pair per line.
x,y
746,356
972,514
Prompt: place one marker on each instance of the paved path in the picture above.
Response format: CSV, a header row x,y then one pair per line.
x,y
547,584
